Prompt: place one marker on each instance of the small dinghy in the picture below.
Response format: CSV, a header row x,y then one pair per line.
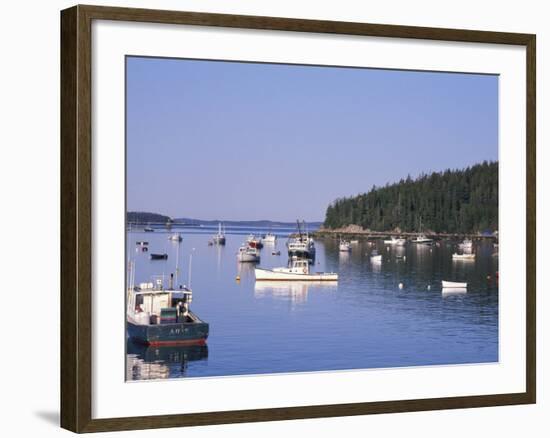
x,y
158,256
375,257
276,253
453,285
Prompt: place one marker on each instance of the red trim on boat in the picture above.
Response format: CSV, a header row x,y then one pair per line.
x,y
174,343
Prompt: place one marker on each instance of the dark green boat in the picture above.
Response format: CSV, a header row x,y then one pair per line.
x,y
157,316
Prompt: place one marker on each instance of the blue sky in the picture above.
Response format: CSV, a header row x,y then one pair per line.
x,y
229,140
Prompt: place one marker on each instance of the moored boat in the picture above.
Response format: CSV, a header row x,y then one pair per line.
x,y
465,256
301,245
344,246
298,271
421,239
453,285
248,254
269,238
176,237
254,242
158,315
466,245
154,256
398,241
219,238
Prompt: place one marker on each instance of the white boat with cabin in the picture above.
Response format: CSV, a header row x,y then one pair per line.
x,y
344,246
269,238
422,240
248,254
298,271
398,241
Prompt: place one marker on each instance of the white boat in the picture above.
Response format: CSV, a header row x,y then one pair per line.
x,y
466,245
398,241
453,285
219,238
422,240
269,238
354,242
248,254
344,246
298,271
471,256
176,237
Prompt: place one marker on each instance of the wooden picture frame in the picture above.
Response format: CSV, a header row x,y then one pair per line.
x,y
76,217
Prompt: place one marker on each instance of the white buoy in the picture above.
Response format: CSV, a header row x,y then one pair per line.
x,y
400,285
429,287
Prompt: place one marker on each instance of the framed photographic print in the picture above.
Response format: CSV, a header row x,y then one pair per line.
x,y
270,218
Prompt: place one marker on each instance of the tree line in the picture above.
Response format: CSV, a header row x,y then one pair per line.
x,y
453,201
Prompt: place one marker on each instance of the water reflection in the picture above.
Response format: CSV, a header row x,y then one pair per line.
x,y
373,322
294,291
147,362
448,291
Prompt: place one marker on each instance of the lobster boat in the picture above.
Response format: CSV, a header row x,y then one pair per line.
x,y
160,316
298,271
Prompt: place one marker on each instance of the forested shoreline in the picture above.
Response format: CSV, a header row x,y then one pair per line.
x,y
452,201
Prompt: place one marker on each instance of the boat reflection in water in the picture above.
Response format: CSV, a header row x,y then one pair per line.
x,y
294,291
449,291
149,363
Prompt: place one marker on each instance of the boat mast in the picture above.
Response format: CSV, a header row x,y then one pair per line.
x,y
189,273
177,262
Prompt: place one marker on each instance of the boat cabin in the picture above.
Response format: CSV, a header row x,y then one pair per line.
x,y
150,303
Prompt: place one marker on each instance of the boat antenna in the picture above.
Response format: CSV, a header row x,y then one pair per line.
x,y
190,263
177,262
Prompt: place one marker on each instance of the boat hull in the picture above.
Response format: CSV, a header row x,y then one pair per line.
x,y
453,285
248,258
185,333
471,257
269,275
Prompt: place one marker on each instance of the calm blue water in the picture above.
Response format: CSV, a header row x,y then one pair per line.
x,y
364,321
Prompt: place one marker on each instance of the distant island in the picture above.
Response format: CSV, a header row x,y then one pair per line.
x,y
452,201
143,218
146,218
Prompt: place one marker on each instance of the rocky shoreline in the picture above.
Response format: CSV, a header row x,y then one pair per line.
x,y
357,232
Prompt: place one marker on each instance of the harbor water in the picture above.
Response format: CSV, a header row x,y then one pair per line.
x,y
378,315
